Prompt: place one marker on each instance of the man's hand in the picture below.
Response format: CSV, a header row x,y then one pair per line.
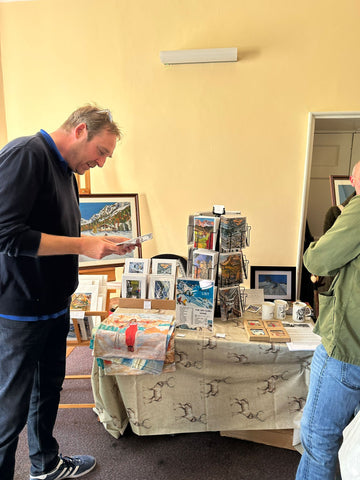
x,y
99,247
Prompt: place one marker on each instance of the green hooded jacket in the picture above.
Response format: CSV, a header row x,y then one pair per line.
x,y
337,253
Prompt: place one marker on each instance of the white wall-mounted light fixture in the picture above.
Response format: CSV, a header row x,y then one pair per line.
x,y
204,55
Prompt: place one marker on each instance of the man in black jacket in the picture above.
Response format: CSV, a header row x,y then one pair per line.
x,y
39,246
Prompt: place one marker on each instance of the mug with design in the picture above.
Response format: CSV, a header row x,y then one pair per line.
x,y
280,309
300,310
267,309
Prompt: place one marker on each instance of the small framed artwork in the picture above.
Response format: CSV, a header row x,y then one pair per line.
x,y
340,188
163,266
83,182
133,286
277,282
137,265
85,298
162,287
112,214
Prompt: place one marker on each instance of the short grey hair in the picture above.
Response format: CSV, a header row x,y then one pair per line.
x,y
96,119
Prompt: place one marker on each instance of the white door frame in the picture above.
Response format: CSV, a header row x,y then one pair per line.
x,y
306,184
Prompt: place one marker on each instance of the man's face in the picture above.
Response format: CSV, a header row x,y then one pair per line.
x,y
355,180
85,154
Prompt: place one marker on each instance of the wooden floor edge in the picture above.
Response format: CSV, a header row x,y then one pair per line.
x,y
76,405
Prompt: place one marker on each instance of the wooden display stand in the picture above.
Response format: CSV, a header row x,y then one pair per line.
x,y
147,304
78,342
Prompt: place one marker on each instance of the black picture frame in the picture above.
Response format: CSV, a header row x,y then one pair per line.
x,y
277,282
340,188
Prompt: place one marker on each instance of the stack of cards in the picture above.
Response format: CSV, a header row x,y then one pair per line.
x,y
233,233
162,278
135,278
204,264
231,302
205,232
231,269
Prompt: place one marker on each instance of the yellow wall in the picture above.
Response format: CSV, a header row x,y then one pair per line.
x,y
195,135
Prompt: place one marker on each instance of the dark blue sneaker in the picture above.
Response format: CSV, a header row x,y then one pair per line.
x,y
68,467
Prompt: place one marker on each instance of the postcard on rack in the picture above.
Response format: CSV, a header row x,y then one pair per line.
x,y
204,264
134,286
163,266
205,232
190,230
195,303
161,287
189,261
230,269
233,232
230,303
137,265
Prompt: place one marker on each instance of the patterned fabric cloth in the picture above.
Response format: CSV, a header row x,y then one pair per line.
x,y
222,382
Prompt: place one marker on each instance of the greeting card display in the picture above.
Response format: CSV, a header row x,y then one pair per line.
x,y
195,303
215,243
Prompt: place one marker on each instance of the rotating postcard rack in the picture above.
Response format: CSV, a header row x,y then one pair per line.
x,y
215,252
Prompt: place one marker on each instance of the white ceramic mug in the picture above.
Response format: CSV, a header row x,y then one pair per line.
x,y
300,310
280,309
267,309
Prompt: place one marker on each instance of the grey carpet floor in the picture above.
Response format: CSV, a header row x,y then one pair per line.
x,y
198,456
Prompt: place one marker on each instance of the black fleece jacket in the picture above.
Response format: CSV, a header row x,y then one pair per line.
x,y
37,194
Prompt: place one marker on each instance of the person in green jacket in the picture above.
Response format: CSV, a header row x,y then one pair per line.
x,y
334,391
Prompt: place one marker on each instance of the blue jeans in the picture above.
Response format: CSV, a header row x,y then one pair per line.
x,y
334,394
32,370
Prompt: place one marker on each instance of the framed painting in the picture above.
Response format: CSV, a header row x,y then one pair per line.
x,y
340,188
110,214
277,282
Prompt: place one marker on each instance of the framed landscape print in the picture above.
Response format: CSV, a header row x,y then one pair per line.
x,y
277,282
110,214
340,188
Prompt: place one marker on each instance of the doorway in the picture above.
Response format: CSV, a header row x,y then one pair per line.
x,y
333,148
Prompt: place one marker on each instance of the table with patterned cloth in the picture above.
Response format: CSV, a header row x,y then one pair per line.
x,y
222,382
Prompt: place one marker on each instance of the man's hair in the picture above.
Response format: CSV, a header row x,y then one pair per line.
x,y
96,119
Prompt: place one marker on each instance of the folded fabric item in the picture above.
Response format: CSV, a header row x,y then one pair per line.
x,y
126,366
135,343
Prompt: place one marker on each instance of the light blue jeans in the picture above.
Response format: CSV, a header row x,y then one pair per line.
x,y
334,394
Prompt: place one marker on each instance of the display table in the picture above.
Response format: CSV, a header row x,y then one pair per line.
x,y
220,384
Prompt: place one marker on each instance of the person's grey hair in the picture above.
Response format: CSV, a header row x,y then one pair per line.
x,y
96,119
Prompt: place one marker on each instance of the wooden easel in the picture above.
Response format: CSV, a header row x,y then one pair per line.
x,y
78,342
